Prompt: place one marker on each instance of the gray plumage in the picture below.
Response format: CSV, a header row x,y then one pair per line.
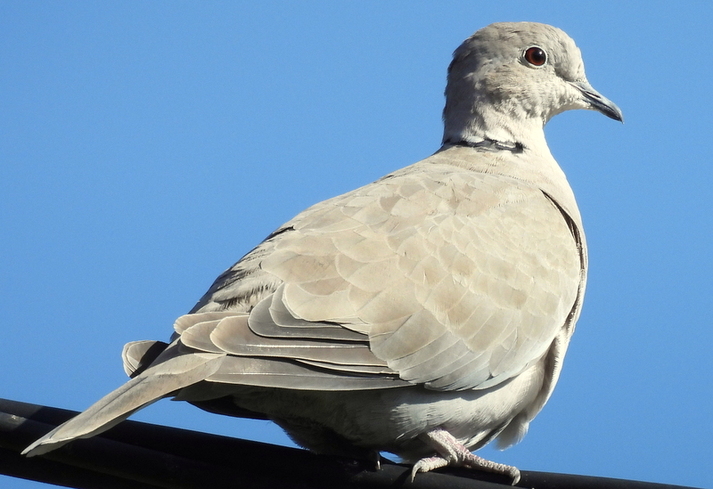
x,y
423,314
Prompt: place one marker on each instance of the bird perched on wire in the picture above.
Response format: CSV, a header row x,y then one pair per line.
x,y
425,314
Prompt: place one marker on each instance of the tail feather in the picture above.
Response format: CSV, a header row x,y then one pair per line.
x,y
139,355
156,382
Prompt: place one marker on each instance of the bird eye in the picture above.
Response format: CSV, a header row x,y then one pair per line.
x,y
535,56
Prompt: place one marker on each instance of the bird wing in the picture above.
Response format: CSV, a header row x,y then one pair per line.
x,y
433,275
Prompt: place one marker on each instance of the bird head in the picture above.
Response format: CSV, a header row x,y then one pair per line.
x,y
508,79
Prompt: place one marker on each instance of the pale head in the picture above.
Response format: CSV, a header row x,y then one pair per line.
x,y
508,79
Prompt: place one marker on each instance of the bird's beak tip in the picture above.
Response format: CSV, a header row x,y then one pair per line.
x,y
599,102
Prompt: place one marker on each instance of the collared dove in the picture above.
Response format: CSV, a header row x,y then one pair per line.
x,y
424,314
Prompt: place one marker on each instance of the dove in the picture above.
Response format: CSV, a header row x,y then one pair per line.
x,y
425,314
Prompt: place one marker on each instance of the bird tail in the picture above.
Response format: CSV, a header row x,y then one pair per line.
x,y
172,371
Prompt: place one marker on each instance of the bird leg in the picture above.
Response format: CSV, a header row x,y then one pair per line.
x,y
453,453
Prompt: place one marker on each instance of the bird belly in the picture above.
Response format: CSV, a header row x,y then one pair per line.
x,y
357,423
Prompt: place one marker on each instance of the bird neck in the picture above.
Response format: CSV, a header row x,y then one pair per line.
x,y
497,127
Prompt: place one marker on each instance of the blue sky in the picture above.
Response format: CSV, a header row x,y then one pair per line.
x,y
146,146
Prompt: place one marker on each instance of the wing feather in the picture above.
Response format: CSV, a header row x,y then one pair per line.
x,y
453,279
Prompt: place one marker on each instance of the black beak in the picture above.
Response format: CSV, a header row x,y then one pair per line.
x,y
599,102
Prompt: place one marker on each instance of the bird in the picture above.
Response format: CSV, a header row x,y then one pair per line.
x,y
425,314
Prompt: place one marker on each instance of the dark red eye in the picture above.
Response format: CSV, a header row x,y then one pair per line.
x,y
535,56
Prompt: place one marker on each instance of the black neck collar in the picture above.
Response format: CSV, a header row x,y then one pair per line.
x,y
489,145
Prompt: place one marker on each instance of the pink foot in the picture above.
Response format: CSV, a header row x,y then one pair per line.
x,y
453,453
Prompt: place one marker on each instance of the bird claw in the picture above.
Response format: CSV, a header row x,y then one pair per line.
x,y
452,453
428,464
